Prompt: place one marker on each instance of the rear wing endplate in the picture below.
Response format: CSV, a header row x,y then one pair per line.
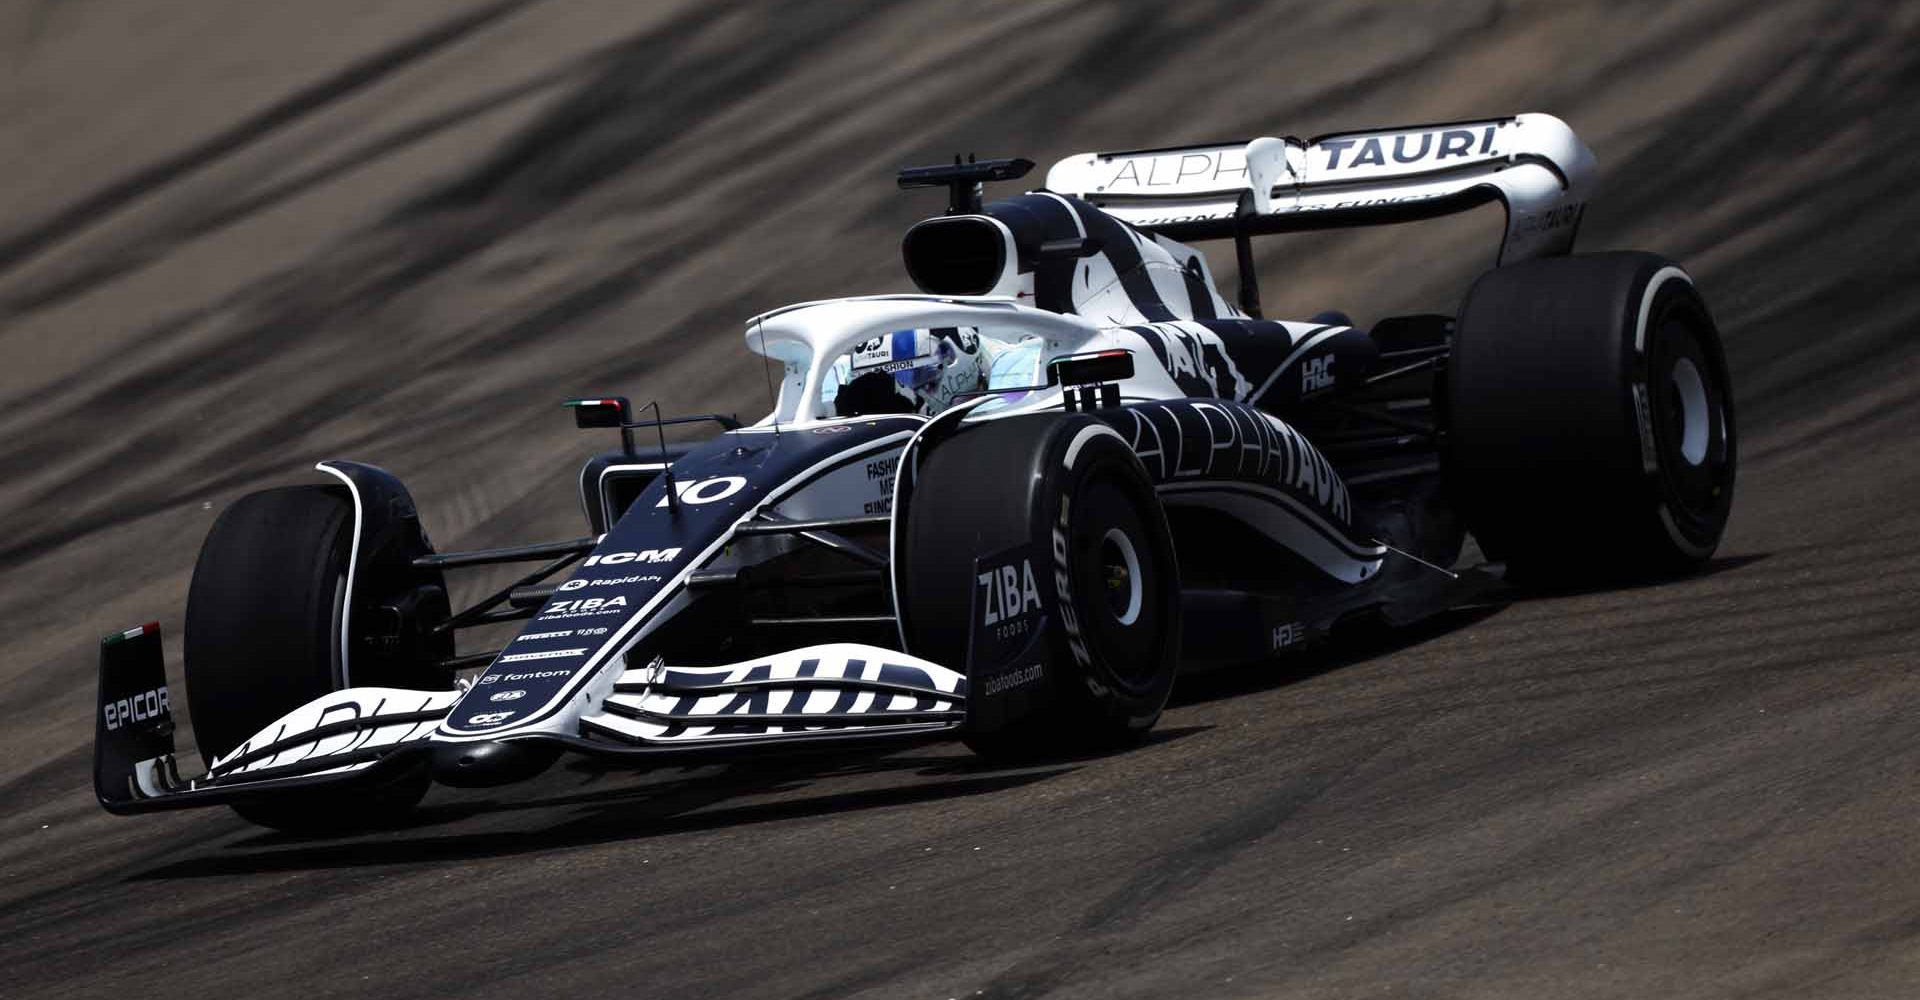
x,y
1533,164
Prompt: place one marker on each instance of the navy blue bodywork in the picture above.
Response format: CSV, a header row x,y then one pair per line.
x,y
639,567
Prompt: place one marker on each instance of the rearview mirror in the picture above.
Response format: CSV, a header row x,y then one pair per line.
x,y
607,412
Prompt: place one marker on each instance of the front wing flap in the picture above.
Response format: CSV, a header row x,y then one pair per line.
x,y
837,687
831,692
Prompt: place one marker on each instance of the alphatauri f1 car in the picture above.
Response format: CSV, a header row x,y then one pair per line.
x,y
1009,508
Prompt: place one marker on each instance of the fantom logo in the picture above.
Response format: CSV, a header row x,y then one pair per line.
x,y
525,675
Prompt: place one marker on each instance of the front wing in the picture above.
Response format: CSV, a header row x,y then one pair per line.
x,y
830,693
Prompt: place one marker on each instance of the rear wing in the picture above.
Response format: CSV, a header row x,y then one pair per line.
x,y
1533,164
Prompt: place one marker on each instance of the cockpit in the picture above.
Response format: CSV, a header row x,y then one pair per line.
x,y
925,371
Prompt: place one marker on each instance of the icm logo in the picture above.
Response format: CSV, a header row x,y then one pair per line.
x,y
1008,592
699,491
1317,374
138,708
644,555
514,695
489,718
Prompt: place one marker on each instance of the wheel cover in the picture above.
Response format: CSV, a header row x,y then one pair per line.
x,y
1692,427
1695,423
1117,580
1120,564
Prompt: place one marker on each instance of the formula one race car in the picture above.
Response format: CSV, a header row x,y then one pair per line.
x,y
1008,509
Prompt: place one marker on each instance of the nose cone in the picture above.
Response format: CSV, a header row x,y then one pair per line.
x,y
481,765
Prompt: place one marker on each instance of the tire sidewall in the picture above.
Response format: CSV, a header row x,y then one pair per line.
x,y
1554,452
264,609
1668,299
990,499
1086,463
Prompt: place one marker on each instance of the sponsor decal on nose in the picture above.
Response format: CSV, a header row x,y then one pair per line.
x,y
545,654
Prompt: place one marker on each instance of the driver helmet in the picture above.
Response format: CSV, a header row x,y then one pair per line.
x,y
910,371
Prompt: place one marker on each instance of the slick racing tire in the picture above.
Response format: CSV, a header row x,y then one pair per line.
x,y
1590,428
263,636
1066,491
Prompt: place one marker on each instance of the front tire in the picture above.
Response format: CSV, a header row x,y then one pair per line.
x,y
263,637
1068,492
1590,431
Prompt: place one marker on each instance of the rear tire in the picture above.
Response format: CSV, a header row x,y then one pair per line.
x,y
1590,427
1112,639
263,636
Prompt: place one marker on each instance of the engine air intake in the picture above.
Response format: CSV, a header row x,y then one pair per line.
x,y
960,255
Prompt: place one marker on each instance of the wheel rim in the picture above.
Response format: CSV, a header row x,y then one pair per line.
x,y
1692,428
1695,425
1120,564
1115,576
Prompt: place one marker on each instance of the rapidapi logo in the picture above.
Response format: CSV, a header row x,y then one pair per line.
x,y
618,581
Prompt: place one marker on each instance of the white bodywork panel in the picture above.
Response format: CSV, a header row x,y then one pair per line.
x,y
668,704
349,704
1533,163
813,671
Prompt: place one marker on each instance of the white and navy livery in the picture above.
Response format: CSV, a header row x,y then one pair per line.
x,y
1008,507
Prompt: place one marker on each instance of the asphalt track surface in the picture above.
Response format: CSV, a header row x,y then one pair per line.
x,y
237,237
